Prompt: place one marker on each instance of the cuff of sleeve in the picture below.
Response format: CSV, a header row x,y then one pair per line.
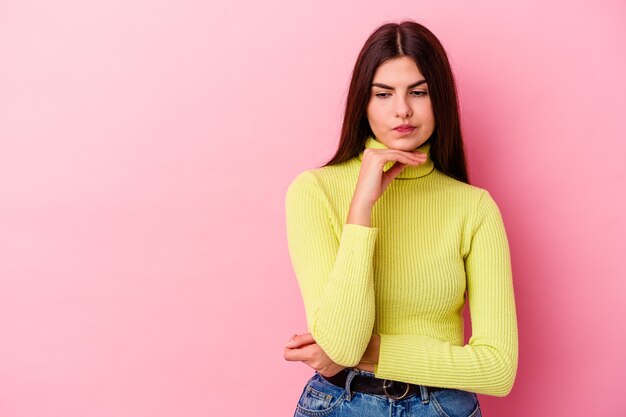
x,y
357,239
400,356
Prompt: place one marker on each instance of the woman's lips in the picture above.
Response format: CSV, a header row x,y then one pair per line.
x,y
404,130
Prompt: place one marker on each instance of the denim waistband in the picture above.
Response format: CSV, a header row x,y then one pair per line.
x,y
358,380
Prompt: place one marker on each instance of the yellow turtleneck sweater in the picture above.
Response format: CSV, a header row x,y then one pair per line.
x,y
432,238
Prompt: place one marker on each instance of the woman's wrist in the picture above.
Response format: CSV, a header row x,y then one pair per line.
x,y
360,213
372,352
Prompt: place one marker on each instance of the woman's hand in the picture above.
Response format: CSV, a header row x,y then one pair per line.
x,y
304,348
373,181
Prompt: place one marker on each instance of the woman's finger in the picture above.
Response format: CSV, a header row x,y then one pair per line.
x,y
394,170
389,155
294,355
300,354
300,340
306,338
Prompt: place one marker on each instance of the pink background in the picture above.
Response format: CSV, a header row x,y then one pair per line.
x,y
146,147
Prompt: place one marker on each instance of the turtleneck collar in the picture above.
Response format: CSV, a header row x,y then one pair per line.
x,y
410,171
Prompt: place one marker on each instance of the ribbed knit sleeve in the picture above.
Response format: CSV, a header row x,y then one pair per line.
x,y
335,273
488,363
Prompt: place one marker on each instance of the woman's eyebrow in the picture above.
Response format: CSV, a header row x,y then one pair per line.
x,y
381,85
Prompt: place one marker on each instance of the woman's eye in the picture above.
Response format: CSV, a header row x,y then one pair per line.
x,y
415,93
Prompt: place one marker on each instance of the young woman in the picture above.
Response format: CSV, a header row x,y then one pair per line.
x,y
388,240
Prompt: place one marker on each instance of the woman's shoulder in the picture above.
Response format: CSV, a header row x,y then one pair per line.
x,y
328,187
329,177
461,191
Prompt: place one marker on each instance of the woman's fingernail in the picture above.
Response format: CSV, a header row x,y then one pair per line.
x,y
289,343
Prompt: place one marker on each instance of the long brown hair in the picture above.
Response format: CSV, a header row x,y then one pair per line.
x,y
393,40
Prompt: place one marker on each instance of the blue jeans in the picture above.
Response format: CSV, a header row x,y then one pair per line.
x,y
321,398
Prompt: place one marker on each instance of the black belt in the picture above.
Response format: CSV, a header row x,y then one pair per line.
x,y
395,390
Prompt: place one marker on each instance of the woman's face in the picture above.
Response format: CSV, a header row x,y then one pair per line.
x,y
400,96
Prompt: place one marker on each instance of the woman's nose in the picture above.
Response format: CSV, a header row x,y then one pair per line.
x,y
403,110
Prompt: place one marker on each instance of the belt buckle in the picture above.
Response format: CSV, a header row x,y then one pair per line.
x,y
408,387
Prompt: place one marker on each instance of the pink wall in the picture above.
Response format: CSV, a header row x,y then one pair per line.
x,y
146,147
